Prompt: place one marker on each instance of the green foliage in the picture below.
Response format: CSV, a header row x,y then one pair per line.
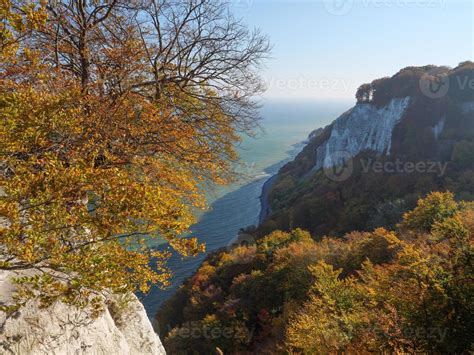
x,y
451,229
206,335
328,320
405,291
434,209
280,239
463,154
406,83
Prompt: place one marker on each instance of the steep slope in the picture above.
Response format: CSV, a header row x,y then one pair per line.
x,y
294,291
396,144
363,128
401,291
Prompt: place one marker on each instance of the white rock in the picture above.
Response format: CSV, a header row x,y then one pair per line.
x,y
364,127
438,128
62,329
468,107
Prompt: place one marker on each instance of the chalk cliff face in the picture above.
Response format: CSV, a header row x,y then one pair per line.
x,y
365,127
396,121
122,328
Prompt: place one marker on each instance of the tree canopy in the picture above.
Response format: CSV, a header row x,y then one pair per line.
x,y
115,116
408,290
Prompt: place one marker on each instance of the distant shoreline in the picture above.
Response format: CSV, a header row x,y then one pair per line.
x,y
265,209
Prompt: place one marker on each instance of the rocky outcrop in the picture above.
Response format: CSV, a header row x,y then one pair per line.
x,y
365,127
315,134
122,328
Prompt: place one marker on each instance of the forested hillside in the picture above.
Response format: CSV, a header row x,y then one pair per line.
x,y
406,290
430,148
357,253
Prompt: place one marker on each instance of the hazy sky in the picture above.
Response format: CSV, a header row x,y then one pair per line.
x,y
327,48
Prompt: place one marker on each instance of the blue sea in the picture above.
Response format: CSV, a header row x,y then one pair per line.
x,y
285,127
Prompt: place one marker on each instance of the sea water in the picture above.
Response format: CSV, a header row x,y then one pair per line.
x,y
285,128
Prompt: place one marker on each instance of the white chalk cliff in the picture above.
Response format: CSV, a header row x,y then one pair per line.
x,y
438,128
467,107
365,127
122,328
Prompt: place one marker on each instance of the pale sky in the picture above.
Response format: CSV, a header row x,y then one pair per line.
x,y
325,49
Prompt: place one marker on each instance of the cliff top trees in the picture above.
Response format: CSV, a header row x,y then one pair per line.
x,y
114,116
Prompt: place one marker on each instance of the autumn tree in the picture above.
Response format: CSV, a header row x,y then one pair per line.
x,y
115,117
330,317
417,301
434,208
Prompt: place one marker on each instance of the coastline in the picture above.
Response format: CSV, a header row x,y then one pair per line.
x,y
265,209
219,227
